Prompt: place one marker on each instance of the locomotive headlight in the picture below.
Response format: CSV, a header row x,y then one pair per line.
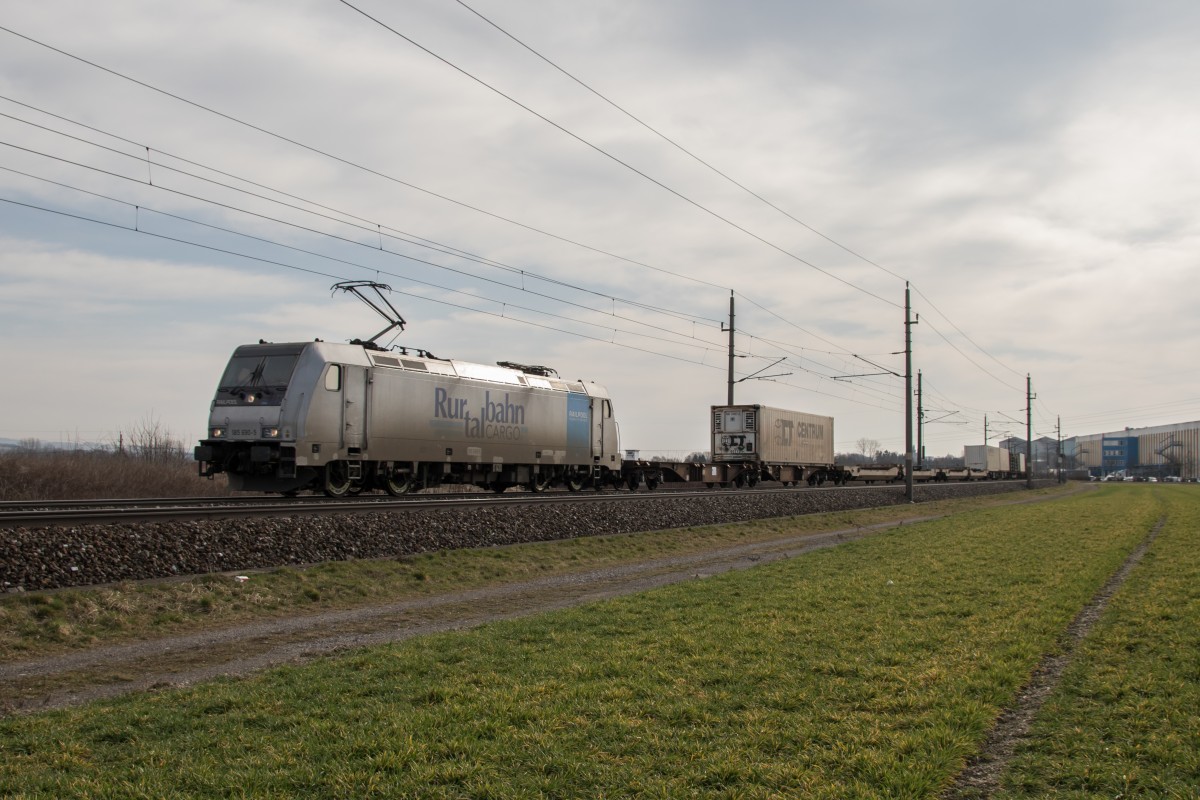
x,y
250,398
216,433
270,433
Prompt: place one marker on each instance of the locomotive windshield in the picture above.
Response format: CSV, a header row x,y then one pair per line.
x,y
256,379
245,372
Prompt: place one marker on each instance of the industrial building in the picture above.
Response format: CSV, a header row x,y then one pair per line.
x,y
1160,452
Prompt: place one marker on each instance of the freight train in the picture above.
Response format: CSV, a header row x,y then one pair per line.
x,y
347,418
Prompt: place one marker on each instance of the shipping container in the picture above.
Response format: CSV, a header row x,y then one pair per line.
x,y
754,433
986,458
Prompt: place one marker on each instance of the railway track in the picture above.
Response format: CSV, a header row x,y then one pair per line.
x,y
61,548
89,512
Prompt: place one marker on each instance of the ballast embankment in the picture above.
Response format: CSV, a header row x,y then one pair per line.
x,y
86,555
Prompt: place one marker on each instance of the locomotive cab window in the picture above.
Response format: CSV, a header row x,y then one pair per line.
x,y
252,372
333,378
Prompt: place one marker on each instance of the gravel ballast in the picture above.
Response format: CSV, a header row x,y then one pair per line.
x,y
85,555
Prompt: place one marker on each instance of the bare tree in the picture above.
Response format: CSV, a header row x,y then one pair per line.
x,y
868,447
150,440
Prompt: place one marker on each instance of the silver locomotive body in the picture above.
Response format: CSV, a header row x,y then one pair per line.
x,y
342,418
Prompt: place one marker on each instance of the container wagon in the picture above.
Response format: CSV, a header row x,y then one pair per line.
x,y
986,460
752,443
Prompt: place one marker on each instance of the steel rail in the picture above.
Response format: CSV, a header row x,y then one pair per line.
x,y
153,510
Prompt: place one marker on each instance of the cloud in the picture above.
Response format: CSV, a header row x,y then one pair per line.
x,y
1030,169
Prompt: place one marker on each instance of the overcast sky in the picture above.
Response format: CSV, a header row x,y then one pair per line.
x,y
1031,169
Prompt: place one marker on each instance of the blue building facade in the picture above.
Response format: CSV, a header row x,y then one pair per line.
x,y
1120,453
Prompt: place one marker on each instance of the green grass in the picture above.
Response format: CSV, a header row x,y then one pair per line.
x,y
41,623
869,670
1125,721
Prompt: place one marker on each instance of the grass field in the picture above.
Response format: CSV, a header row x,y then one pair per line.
x,y
42,623
1126,719
870,670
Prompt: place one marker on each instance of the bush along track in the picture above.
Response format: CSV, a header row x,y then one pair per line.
x,y
874,669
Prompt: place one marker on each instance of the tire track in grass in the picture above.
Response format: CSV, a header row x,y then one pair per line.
x,y
981,776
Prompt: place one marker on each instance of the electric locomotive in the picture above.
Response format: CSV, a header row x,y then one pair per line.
x,y
344,418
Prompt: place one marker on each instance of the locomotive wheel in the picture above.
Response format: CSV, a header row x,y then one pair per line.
x,y
499,487
633,482
397,484
337,479
651,484
574,481
540,482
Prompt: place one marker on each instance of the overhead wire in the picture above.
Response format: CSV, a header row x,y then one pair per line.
x,y
977,365
373,226
676,144
355,165
149,150
963,334
426,191
1154,407
725,176
161,187
337,277
295,142
617,160
286,223
710,346
141,207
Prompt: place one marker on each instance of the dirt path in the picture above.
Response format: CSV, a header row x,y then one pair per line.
x,y
81,677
